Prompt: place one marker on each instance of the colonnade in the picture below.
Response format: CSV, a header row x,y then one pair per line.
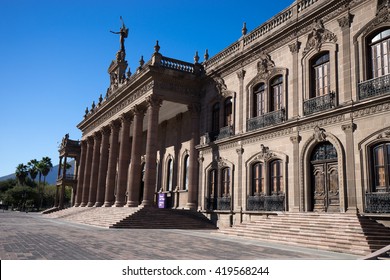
x,y
110,161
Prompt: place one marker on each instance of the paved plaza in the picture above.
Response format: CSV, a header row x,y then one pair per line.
x,y
32,236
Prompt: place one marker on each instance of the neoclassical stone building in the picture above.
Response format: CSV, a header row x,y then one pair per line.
x,y
294,116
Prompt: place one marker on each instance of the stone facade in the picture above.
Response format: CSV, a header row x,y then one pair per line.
x,y
294,116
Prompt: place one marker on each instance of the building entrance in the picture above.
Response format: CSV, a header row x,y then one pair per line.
x,y
325,179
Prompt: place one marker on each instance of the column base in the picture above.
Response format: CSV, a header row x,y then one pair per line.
x,y
76,205
352,210
90,204
83,204
132,204
98,204
107,204
191,205
119,204
146,203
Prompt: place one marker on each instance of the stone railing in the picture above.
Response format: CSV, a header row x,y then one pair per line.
x,y
304,4
378,202
219,203
374,87
266,120
254,36
268,26
266,203
225,132
175,64
67,177
319,103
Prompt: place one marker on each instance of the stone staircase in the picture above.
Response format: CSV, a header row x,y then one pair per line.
x,y
134,217
341,232
96,216
154,218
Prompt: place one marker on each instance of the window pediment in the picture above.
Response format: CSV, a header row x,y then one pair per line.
x,y
318,36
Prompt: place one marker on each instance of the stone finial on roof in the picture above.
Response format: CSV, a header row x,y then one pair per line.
x,y
206,55
244,30
196,57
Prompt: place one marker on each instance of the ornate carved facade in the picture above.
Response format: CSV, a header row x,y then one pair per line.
x,y
291,117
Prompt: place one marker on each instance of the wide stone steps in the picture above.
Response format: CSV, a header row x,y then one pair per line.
x,y
151,217
134,217
96,216
345,233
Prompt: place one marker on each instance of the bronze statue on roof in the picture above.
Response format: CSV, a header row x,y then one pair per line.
x,y
123,32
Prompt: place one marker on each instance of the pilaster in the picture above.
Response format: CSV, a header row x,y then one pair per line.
x,y
350,166
294,48
296,207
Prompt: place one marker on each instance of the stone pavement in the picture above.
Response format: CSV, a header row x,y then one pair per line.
x,y
31,236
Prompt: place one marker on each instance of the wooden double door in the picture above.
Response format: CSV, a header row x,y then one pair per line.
x,y
325,195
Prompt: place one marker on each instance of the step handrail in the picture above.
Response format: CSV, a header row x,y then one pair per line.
x,y
379,253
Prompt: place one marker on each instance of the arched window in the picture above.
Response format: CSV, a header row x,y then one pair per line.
x,y
381,167
228,112
380,54
276,93
259,100
225,182
169,174
185,172
258,179
320,79
215,118
276,177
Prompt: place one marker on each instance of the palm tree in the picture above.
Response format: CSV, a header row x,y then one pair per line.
x,y
33,168
21,173
44,167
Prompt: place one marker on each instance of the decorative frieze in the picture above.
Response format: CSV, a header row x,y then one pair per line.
x,y
266,136
372,110
323,122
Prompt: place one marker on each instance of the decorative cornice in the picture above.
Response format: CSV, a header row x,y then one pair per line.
x,y
372,110
322,122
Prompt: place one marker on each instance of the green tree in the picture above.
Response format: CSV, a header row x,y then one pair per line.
x,y
21,173
44,167
33,168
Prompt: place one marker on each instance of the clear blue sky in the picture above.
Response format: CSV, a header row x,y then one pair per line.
x,y
54,57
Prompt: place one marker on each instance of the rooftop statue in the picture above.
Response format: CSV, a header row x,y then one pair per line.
x,y
123,32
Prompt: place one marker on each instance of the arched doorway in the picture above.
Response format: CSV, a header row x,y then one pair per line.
x,y
325,195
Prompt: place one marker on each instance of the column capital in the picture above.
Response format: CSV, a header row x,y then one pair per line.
x,y
90,139
97,135
126,118
294,47
115,125
240,151
348,128
153,101
241,74
194,108
345,21
138,110
105,130
295,139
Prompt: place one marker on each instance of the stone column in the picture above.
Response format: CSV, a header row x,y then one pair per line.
x,y
95,169
134,178
80,174
56,200
59,168
111,170
294,48
241,75
87,173
193,166
295,161
124,159
350,166
105,131
345,24
154,104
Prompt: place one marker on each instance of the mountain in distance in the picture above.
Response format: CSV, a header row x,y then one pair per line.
x,y
51,178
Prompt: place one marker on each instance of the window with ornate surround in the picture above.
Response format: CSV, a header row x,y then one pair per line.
x,y
378,65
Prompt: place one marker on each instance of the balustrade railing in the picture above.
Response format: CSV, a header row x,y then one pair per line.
x,y
177,65
218,203
266,203
374,87
319,103
378,202
266,120
225,132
